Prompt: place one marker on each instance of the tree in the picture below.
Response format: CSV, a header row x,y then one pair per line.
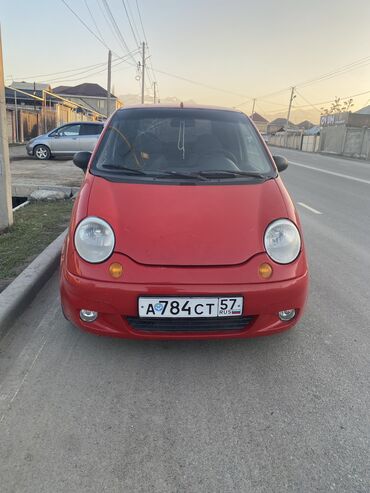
x,y
337,106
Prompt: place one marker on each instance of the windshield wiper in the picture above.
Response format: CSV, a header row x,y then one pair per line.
x,y
123,168
230,173
180,174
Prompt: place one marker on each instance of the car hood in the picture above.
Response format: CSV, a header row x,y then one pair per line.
x,y
42,136
187,225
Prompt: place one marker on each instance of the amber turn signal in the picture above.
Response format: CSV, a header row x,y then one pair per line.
x,y
115,270
265,271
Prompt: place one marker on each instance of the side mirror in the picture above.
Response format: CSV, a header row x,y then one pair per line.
x,y
281,163
81,160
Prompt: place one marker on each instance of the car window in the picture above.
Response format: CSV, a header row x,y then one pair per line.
x,y
182,140
90,129
69,131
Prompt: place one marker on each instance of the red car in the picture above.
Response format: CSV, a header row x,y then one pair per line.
x,y
183,229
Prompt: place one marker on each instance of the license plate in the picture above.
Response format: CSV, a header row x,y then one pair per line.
x,y
166,307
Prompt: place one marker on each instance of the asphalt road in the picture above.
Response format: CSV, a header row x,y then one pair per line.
x,y
288,413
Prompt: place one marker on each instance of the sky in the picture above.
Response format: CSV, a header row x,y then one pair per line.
x,y
232,51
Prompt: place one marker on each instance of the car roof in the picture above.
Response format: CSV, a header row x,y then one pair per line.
x,y
192,106
79,122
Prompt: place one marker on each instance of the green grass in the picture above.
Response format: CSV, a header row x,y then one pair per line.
x,y
35,227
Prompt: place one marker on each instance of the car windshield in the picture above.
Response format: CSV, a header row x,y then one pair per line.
x,y
178,144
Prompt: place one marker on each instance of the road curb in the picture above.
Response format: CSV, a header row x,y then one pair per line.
x,y
17,296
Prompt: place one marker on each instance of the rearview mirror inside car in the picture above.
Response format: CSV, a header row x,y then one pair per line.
x,y
281,163
81,160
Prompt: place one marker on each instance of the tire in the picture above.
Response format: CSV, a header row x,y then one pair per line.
x,y
42,152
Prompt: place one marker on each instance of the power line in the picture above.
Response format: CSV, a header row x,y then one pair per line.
x,y
108,23
61,72
332,100
86,26
117,29
362,62
133,20
78,71
219,89
129,20
93,19
141,22
146,41
86,74
310,104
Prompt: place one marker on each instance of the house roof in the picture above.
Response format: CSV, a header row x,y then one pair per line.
x,y
256,117
282,122
306,124
30,86
364,111
85,89
60,89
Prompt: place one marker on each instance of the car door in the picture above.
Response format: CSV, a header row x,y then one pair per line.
x,y
66,140
89,135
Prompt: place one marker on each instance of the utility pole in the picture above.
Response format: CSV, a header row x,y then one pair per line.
x,y
254,104
155,92
6,211
16,116
44,110
109,82
143,74
290,106
288,116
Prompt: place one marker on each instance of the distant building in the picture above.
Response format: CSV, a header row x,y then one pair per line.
x,y
279,125
259,121
34,88
305,125
32,109
89,95
364,111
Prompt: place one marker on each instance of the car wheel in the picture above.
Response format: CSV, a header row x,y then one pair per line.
x,y
42,152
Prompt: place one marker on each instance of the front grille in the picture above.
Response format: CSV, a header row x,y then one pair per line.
x,y
219,324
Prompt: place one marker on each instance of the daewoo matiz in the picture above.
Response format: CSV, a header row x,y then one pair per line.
x,y
183,229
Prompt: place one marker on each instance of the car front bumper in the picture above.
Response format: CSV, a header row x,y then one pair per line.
x,y
117,307
29,149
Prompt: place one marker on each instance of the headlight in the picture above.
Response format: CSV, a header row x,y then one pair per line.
x,y
282,241
94,240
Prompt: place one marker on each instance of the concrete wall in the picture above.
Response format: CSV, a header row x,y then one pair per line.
x,y
291,141
332,139
310,143
346,141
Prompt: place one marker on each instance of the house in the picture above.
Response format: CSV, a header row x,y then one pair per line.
x,y
364,111
24,102
305,125
259,121
90,95
279,125
32,109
